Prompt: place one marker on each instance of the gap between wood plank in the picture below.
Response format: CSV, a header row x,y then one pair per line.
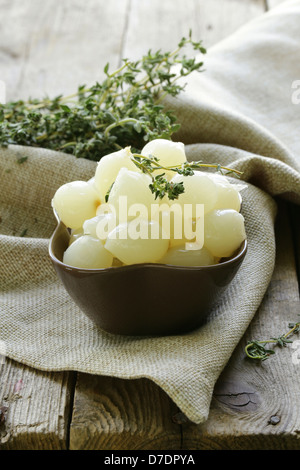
x,y
73,382
125,31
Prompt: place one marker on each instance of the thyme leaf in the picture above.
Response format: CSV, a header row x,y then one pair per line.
x,y
160,186
124,109
257,349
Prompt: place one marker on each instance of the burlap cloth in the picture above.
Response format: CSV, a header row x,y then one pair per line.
x,y
238,112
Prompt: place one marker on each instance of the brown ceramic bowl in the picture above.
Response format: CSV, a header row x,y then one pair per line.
x,y
144,299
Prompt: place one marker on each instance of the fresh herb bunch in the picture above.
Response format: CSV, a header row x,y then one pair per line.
x,y
257,349
125,109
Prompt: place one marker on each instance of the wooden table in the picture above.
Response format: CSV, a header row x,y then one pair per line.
x,y
52,47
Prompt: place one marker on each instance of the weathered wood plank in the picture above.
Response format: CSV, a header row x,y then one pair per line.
x,y
52,47
117,414
56,46
249,397
35,408
163,24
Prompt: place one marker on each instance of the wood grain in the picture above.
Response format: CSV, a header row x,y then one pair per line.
x,y
35,407
56,46
112,413
163,25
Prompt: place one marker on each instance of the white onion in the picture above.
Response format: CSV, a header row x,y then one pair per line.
x,y
224,231
108,168
75,233
179,256
129,189
198,189
88,253
75,202
228,194
124,245
168,153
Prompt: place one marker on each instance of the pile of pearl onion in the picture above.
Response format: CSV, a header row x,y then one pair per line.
x,y
79,206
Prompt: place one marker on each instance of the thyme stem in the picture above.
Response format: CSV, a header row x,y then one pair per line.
x,y
193,165
256,349
118,123
125,109
160,185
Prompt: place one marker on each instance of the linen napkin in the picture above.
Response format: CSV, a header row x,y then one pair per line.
x,y
242,111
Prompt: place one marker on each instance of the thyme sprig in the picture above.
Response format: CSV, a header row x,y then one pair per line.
x,y
125,109
257,350
161,186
